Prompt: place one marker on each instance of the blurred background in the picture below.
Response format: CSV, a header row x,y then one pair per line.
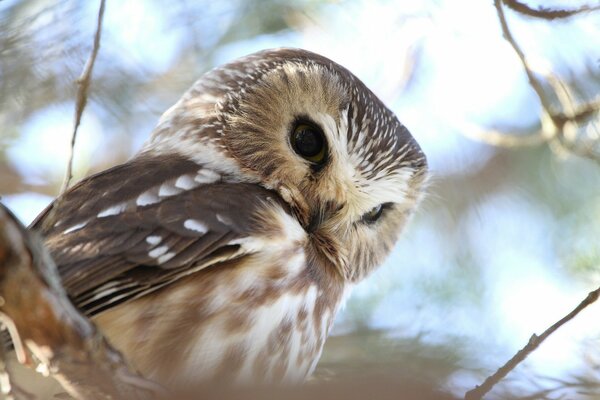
x,y
507,241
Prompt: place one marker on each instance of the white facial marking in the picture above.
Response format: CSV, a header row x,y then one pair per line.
x,y
75,227
153,240
114,210
195,225
157,252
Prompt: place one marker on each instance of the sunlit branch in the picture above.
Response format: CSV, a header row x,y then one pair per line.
x,y
501,139
56,335
558,127
548,13
83,83
532,345
567,122
533,80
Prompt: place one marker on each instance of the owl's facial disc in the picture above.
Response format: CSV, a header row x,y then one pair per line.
x,y
303,126
349,170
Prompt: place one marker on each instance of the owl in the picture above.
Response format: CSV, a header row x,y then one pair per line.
x,y
224,249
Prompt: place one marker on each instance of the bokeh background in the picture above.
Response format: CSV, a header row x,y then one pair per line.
x,y
507,240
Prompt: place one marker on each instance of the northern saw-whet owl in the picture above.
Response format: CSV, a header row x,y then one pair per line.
x,y
225,247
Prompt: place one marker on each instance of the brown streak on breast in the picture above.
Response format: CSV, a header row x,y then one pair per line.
x,y
238,321
280,337
232,362
260,366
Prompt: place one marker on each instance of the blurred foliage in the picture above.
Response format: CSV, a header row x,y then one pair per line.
x,y
45,43
372,353
432,313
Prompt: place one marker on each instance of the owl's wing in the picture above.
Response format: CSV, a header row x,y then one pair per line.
x,y
140,226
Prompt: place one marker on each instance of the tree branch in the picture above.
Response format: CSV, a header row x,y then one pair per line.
x,y
82,95
501,139
547,13
533,80
532,345
558,127
46,328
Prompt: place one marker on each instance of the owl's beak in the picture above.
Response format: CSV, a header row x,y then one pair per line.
x,y
297,203
323,212
312,220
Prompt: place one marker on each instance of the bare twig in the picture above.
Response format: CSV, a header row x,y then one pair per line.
x,y
501,139
579,115
547,13
533,80
83,83
44,324
534,342
558,127
568,120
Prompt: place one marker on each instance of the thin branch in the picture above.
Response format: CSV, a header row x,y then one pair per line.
x,y
579,115
533,80
83,83
558,128
532,345
44,324
501,139
548,13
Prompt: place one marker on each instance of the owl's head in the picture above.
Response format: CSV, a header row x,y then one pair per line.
x,y
305,127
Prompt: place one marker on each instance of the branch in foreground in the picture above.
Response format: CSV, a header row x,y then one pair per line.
x,y
43,323
547,13
533,344
82,94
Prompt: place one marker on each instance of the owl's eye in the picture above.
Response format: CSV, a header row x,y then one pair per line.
x,y
309,142
374,213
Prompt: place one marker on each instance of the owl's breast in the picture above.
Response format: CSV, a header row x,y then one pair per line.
x,y
277,341
260,319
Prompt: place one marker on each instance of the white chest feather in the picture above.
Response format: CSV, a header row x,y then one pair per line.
x,y
281,343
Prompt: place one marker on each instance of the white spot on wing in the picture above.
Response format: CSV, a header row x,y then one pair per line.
x,y
114,210
103,293
157,252
153,240
224,220
167,189
206,176
75,227
147,198
166,257
195,225
186,182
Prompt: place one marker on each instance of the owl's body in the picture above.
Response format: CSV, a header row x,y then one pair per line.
x,y
224,249
260,318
